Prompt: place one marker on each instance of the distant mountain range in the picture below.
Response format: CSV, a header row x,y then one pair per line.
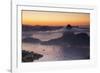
x,y
81,38
31,40
40,28
78,39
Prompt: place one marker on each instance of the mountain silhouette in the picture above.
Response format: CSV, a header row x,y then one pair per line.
x,y
82,39
39,28
68,26
71,38
31,40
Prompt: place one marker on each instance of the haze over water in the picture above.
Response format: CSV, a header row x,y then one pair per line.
x,y
55,52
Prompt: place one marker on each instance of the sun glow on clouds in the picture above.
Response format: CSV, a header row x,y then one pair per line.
x,y
44,18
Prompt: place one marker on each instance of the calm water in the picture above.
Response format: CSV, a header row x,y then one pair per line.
x,y
48,52
53,53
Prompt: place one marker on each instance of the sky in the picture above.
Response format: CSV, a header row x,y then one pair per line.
x,y
47,18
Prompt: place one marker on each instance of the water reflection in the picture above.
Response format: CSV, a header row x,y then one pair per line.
x,y
54,52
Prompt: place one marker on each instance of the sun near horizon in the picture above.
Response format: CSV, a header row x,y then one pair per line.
x,y
47,18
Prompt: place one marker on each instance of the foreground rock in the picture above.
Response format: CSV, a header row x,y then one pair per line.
x,y
30,56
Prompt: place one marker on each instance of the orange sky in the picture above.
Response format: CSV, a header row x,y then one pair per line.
x,y
54,18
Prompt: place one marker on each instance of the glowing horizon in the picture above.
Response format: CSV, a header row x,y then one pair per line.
x,y
44,18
